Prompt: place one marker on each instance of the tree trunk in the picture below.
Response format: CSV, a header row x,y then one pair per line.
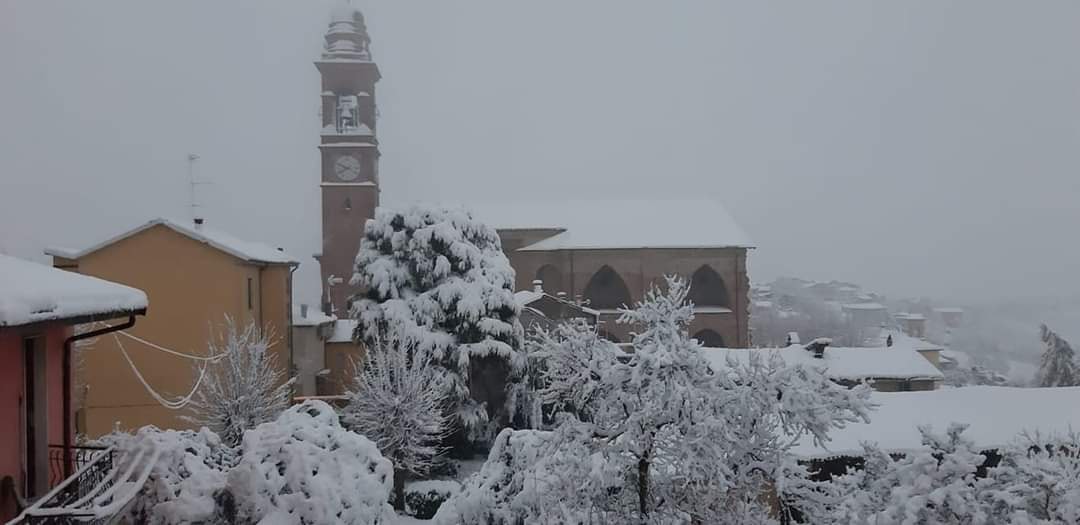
x,y
643,487
399,489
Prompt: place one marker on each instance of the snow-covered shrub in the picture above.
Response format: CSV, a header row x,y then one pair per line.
x,y
306,465
489,496
423,498
244,388
392,403
934,485
189,473
1038,481
1059,366
437,283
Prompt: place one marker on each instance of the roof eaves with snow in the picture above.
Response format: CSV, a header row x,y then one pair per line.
x,y
246,250
33,293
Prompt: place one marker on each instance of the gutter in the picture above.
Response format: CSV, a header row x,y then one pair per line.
x,y
67,375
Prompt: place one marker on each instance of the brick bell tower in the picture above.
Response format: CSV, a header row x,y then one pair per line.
x,y
349,151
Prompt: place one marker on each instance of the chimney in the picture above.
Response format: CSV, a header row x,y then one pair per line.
x,y
303,311
538,286
817,346
198,223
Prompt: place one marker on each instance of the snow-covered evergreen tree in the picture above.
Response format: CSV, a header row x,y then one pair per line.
x,y
392,403
437,282
1059,367
656,436
242,389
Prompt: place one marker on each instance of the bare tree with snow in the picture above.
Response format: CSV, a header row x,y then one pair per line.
x,y
438,283
392,403
1059,367
244,387
657,436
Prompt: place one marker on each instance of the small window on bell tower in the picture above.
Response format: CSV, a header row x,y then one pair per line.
x,y
348,204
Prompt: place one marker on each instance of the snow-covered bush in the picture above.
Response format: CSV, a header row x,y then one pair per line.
x,y
392,403
934,485
1038,481
490,495
242,389
186,479
307,466
423,498
1058,367
437,283
657,437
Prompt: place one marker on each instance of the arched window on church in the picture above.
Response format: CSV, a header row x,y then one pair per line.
x,y
552,279
709,339
707,289
348,204
606,290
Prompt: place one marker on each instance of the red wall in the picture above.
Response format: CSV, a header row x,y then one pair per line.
x,y
12,429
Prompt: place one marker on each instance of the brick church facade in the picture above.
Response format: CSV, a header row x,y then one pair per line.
x,y
601,254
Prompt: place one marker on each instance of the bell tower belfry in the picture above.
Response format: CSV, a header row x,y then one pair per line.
x,y
349,151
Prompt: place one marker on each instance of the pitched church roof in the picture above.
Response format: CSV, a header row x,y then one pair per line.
x,y
599,224
241,249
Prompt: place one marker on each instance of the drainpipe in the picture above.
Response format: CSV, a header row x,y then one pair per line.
x,y
67,378
289,318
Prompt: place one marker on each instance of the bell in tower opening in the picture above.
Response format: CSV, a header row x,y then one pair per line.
x,y
348,114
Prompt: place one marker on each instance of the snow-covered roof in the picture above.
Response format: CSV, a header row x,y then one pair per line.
x,y
32,292
597,224
863,306
842,364
246,250
996,415
343,331
314,317
904,316
526,297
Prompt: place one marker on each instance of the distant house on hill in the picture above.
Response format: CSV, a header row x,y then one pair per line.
x,y
195,275
607,254
39,306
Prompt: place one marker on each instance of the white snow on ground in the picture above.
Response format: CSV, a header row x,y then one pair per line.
x,y
32,292
839,363
997,415
247,250
656,223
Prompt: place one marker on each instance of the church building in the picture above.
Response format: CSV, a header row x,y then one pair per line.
x,y
600,254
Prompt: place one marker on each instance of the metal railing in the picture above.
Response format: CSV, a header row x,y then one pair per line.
x,y
91,467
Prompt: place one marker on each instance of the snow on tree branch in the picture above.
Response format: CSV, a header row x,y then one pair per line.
x,y
245,388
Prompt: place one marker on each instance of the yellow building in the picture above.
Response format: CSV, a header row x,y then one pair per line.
x,y
194,276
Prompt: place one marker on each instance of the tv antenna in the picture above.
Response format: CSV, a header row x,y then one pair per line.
x,y
192,184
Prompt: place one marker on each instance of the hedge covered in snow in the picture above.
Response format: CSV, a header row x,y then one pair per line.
x,y
303,467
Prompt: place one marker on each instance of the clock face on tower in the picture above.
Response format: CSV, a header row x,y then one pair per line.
x,y
347,167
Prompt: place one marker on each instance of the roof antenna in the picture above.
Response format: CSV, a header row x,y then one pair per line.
x,y
196,215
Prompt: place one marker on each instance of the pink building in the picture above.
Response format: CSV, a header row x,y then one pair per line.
x,y
39,306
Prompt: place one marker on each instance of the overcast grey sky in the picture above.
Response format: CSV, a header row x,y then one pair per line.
x,y
922,147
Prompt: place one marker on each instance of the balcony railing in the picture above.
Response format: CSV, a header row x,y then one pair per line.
x,y
65,461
